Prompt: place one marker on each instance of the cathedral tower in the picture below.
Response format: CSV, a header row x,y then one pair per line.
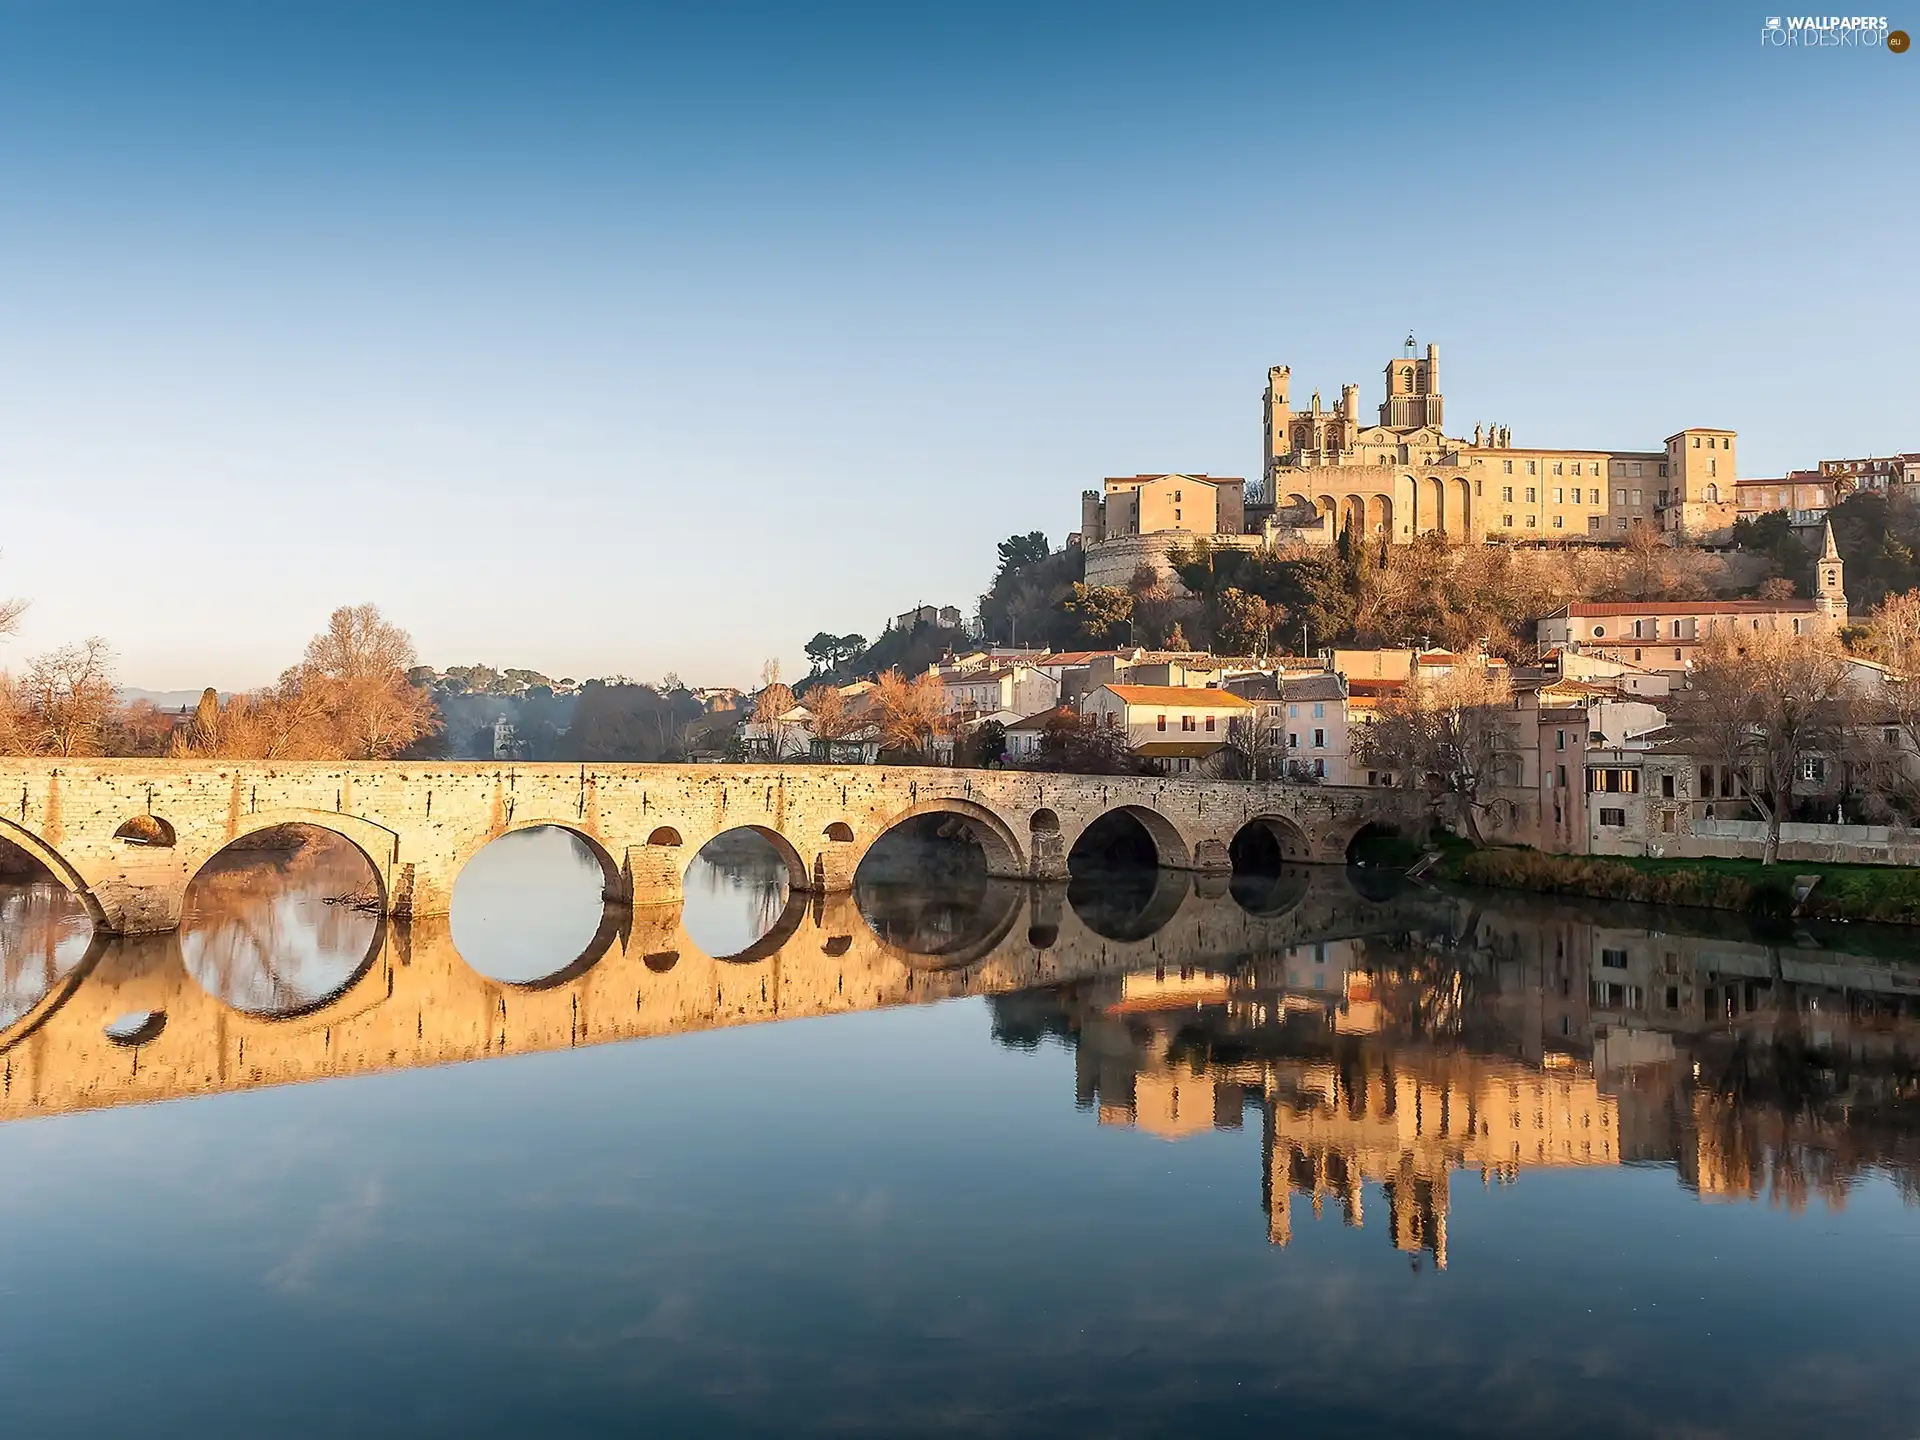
x,y
1413,390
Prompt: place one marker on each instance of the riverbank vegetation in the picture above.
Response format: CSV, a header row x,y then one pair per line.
x,y
1884,893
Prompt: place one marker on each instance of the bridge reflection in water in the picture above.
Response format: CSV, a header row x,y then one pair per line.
x,y
1377,1034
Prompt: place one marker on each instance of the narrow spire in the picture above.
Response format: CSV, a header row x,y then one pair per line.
x,y
1830,551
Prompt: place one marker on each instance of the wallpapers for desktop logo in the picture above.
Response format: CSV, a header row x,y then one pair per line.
x,y
1823,32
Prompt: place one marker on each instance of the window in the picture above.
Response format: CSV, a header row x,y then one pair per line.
x,y
1676,654
1613,819
1209,722
1813,768
1319,739
1620,497
1559,522
1507,520
1319,710
1599,632
1636,496
1185,765
1696,442
1576,467
1160,723
1621,523
1558,493
1635,470
1293,740
1176,517
1613,959
1559,779
1319,769
1506,493
1636,656
1556,468
1530,469
1891,736
1676,629
1663,469
1530,494
1293,712
1593,524
1186,722
1507,466
1559,739
1713,467
1533,522
1666,822
1176,497
1666,787
1673,997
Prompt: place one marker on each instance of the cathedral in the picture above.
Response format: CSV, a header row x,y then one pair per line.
x,y
1328,471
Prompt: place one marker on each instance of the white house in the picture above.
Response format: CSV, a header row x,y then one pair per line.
x,y
1181,728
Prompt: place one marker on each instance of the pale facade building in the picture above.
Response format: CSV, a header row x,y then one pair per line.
x,y
1184,729
1402,475
1663,634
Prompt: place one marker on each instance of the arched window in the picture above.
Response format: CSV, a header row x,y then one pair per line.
x,y
1407,380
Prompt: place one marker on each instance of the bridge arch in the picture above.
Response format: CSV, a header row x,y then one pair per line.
x,y
992,833
1267,841
1170,847
376,843
58,866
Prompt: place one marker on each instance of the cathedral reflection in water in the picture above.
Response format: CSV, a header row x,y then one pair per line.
x,y
1377,1032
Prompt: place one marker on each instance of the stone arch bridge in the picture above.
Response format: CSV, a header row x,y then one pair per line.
x,y
128,836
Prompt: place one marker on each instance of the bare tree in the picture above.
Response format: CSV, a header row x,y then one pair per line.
x,y
65,698
1761,703
359,665
772,702
831,718
911,712
1453,739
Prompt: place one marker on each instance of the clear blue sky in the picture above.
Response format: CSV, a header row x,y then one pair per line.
x,y
626,340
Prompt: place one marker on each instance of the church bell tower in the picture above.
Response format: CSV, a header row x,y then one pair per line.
x,y
1829,587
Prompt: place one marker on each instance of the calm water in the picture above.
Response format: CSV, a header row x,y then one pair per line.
x,y
1307,1154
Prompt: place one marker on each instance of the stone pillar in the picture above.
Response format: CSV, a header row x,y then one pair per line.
x,y
831,870
1210,858
140,905
652,875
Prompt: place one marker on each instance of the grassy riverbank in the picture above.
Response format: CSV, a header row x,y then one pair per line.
x,y
1885,893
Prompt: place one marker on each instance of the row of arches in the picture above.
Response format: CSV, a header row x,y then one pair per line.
x,y
1415,506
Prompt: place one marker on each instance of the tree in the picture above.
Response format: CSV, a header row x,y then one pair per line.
x,y
1017,552
830,652
827,707
357,671
912,713
1073,744
1760,703
64,700
988,745
1244,624
1452,740
1256,747
1102,614
140,728
770,703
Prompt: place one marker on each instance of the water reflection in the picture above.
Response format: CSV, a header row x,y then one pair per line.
x,y
44,932
282,925
738,894
1525,1101
528,908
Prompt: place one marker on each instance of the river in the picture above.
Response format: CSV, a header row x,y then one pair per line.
x,y
1309,1152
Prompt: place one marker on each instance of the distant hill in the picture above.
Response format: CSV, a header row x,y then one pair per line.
x,y
166,699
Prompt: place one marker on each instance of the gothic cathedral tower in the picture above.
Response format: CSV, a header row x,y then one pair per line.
x,y
1829,589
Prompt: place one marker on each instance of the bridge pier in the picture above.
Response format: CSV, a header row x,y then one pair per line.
x,y
134,907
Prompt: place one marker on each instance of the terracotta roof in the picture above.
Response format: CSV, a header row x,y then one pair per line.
x,y
1178,749
1179,695
1045,718
1600,609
